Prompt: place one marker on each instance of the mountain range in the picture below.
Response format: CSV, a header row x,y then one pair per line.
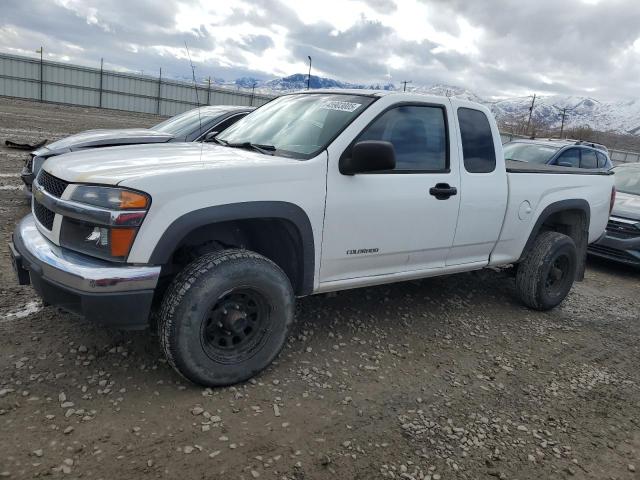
x,y
615,116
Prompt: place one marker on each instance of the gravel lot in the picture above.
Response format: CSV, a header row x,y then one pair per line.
x,y
435,379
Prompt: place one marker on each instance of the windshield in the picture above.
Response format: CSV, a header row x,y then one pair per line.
x,y
299,125
529,152
186,123
627,180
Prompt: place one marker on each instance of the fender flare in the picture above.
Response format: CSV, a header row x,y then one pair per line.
x,y
559,206
184,225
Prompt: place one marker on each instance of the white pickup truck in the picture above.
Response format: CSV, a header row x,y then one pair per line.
x,y
314,192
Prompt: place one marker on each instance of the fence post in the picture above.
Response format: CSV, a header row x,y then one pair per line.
x,y
209,92
41,52
159,91
101,73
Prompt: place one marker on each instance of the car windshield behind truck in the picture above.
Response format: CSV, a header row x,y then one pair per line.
x,y
628,179
187,122
298,125
529,152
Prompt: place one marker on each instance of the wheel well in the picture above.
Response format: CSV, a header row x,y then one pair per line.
x,y
277,239
573,222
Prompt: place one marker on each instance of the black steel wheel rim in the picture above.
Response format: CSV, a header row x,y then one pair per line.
x,y
237,326
557,275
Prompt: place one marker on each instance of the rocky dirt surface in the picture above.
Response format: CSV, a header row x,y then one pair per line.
x,y
444,378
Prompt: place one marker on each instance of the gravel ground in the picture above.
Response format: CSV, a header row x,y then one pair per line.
x,y
436,379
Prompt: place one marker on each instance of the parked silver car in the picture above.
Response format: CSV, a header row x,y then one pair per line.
x,y
621,242
191,126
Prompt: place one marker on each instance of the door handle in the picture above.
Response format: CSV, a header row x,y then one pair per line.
x,y
442,191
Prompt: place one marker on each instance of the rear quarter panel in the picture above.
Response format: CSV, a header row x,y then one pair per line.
x,y
541,190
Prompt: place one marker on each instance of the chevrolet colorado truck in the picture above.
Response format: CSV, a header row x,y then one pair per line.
x,y
313,192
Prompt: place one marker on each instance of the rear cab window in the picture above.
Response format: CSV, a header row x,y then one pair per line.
x,y
478,150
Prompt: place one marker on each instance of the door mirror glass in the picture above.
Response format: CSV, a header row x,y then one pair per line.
x,y
368,156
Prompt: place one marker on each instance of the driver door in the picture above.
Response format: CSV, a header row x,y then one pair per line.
x,y
388,222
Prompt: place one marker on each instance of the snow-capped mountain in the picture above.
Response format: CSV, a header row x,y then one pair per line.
x,y
620,116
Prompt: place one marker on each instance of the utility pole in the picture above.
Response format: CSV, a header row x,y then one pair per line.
x,y
404,89
41,51
530,113
309,78
564,114
209,91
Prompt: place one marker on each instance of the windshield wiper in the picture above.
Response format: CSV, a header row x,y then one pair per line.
x,y
264,149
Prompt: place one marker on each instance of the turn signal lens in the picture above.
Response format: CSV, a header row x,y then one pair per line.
x,y
121,241
129,199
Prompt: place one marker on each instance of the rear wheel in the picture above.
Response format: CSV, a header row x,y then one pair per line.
x,y
226,317
546,275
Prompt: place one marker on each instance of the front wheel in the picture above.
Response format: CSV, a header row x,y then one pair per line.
x,y
546,275
226,317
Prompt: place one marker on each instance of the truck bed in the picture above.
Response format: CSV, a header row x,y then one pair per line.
x,y
525,167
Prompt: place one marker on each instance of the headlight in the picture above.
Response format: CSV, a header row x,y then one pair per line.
x,y
111,198
109,224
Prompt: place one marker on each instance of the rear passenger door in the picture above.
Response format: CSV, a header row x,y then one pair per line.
x,y
483,185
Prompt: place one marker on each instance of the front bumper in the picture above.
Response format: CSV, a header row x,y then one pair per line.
x,y
115,295
623,250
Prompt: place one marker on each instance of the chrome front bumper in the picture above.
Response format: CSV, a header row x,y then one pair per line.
x,y
119,295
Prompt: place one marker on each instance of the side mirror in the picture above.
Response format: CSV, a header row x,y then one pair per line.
x,y
368,156
210,136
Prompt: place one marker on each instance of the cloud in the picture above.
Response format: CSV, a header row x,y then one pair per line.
x,y
547,46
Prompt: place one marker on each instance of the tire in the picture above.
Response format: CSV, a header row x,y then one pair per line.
x,y
226,317
546,275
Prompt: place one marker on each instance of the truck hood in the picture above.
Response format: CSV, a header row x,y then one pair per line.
x,y
101,138
110,166
627,206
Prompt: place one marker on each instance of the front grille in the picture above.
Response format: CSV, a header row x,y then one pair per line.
x,y
44,215
51,184
622,229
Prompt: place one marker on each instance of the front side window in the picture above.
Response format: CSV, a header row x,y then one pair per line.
x,y
569,158
418,135
477,141
589,159
298,125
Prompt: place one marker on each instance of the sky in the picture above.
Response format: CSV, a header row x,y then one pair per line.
x,y
495,48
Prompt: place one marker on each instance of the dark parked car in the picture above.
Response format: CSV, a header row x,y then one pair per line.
x,y
191,126
622,239
565,153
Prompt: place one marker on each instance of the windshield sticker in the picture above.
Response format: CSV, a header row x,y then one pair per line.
x,y
341,106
